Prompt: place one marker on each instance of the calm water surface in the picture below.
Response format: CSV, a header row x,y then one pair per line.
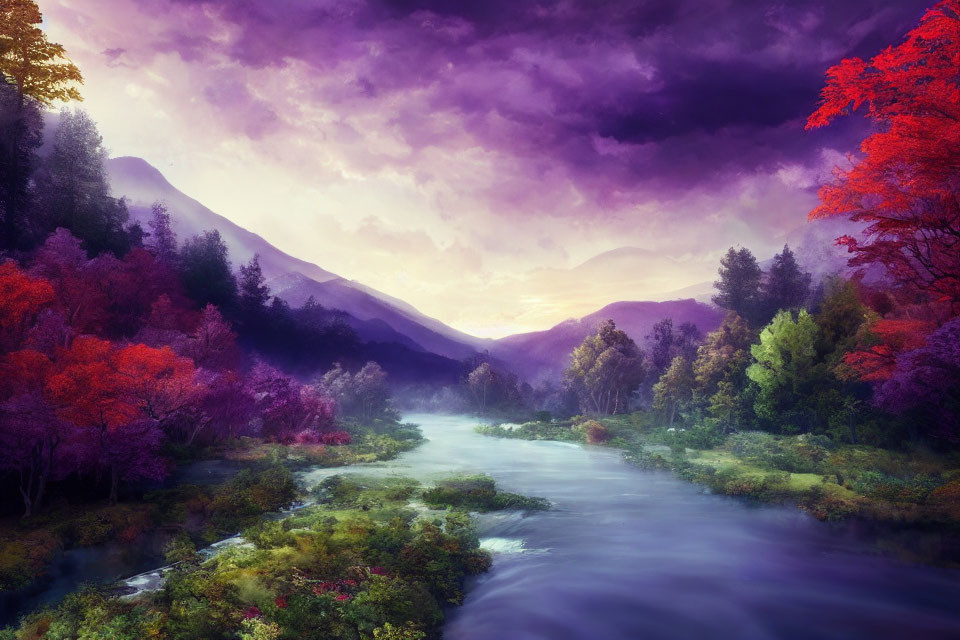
x,y
635,554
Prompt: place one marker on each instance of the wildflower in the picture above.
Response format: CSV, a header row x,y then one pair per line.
x,y
281,602
324,587
252,612
343,596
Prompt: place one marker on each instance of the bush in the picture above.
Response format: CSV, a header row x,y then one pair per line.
x,y
244,499
882,486
478,493
593,432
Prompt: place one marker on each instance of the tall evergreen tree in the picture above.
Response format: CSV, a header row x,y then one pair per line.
x,y
253,293
205,271
787,286
738,288
163,241
73,191
33,72
21,134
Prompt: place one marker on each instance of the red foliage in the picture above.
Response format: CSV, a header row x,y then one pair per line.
x,y
21,298
889,338
906,185
87,390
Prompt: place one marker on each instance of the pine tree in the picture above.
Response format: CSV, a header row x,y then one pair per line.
x,y
254,294
787,286
163,241
738,288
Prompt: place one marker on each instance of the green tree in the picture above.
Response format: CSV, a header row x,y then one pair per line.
x,y
738,288
841,317
606,369
720,372
674,389
788,373
38,68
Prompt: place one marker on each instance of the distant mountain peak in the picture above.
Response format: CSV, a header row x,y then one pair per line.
x,y
137,168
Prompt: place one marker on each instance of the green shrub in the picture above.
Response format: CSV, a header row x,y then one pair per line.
x,y
478,493
882,486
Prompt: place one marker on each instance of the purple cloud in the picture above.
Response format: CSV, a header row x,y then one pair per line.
x,y
615,97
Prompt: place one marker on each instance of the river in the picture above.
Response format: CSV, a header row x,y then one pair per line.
x,y
641,555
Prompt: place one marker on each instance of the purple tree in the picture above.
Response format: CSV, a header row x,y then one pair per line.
x,y
925,383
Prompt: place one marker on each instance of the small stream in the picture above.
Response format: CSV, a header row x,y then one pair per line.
x,y
634,554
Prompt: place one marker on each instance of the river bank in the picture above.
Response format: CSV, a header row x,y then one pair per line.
x,y
625,552
362,562
214,493
888,492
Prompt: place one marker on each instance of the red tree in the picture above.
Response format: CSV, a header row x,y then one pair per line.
x,y
875,358
906,186
21,298
119,396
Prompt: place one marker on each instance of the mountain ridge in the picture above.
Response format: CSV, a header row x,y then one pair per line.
x,y
143,184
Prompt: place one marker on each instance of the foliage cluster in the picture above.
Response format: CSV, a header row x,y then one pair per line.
x,y
360,564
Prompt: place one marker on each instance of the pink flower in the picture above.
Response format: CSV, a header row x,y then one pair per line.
x,y
252,612
343,596
281,602
378,571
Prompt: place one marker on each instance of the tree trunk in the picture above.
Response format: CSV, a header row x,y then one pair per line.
x,y
114,482
27,494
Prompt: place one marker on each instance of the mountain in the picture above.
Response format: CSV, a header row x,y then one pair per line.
x,y
376,317
142,185
338,293
544,354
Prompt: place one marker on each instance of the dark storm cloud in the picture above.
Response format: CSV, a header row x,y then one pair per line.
x,y
668,93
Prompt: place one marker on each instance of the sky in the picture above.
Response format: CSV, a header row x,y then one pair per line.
x,y
501,165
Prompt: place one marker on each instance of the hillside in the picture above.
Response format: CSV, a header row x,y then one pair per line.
x,y
375,316
543,354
